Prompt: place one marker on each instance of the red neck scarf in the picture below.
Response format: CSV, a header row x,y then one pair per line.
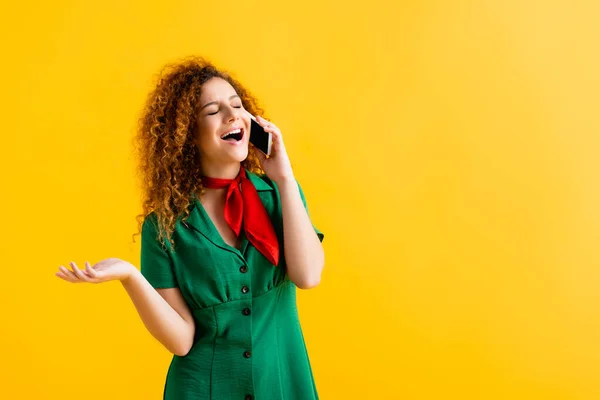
x,y
243,207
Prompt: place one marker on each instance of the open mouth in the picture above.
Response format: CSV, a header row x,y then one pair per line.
x,y
233,136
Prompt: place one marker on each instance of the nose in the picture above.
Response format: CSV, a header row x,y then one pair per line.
x,y
233,114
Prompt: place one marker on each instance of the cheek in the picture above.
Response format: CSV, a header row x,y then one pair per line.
x,y
205,134
246,119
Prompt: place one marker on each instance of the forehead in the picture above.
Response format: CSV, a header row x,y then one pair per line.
x,y
216,88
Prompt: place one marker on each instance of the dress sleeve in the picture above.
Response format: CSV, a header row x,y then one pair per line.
x,y
156,264
319,233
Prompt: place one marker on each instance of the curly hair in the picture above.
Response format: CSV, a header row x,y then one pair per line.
x,y
169,161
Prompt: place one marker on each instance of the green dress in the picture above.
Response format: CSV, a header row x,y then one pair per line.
x,y
248,343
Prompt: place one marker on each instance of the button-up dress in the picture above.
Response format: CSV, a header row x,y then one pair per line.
x,y
248,343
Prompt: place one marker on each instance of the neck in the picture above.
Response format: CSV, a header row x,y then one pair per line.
x,y
229,171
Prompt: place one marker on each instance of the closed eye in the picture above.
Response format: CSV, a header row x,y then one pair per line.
x,y
218,110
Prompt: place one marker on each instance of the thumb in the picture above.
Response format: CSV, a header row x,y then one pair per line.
x,y
261,156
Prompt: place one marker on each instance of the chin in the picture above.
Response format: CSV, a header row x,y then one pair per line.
x,y
239,155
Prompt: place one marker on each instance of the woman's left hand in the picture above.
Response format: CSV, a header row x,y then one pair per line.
x,y
277,166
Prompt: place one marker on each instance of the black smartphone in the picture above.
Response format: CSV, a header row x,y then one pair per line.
x,y
259,138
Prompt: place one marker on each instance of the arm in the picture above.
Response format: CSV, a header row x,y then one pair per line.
x,y
302,246
156,296
303,250
164,313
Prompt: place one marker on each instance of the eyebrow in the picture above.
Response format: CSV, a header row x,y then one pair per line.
x,y
214,102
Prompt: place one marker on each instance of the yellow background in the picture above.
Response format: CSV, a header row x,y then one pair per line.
x,y
448,149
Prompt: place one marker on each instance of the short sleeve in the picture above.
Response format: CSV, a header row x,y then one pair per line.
x,y
319,233
156,264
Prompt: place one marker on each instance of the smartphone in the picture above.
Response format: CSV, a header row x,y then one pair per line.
x,y
259,138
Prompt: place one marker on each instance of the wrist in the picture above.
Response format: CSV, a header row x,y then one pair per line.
x,y
285,181
131,275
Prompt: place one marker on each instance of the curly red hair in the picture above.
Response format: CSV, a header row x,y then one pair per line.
x,y
169,161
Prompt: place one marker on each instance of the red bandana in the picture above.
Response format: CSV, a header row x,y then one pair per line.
x,y
242,205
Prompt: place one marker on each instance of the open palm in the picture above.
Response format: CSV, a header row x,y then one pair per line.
x,y
110,269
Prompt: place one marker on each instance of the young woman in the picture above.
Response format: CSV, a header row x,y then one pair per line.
x,y
226,239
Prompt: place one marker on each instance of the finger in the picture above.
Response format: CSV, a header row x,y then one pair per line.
x,y
276,137
61,275
68,275
261,120
272,129
78,273
265,124
68,272
261,157
276,140
90,271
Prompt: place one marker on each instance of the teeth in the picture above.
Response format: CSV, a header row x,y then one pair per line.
x,y
235,132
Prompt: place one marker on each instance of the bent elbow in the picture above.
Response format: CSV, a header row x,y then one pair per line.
x,y
181,351
183,346
309,283
309,280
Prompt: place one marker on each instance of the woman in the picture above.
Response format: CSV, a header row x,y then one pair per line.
x,y
226,239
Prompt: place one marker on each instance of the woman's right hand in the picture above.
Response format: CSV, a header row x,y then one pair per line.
x,y
111,269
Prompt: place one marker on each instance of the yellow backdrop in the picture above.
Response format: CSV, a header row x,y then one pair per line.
x,y
448,149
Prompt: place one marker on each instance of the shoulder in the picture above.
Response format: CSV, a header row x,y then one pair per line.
x,y
150,223
151,232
